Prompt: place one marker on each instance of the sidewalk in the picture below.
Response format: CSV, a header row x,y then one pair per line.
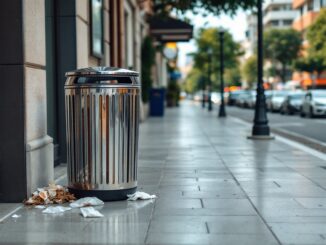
x,y
214,187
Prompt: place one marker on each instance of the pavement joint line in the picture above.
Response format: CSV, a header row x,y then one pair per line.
x,y
246,195
297,145
153,210
10,213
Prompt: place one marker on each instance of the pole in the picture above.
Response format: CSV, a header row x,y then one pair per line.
x,y
210,105
260,128
203,87
222,112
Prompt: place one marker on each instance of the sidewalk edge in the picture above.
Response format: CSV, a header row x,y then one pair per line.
x,y
297,145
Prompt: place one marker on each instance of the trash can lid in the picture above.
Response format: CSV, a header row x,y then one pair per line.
x,y
103,71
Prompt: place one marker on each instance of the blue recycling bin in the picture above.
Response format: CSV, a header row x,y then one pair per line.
x,y
156,102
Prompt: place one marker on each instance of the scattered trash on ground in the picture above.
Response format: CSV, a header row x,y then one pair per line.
x,y
40,206
141,196
90,212
86,201
15,216
55,210
53,194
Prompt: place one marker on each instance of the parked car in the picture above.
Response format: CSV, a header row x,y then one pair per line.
x,y
243,98
276,100
314,103
234,95
292,103
250,100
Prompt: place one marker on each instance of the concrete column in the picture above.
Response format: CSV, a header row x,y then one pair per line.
x,y
26,151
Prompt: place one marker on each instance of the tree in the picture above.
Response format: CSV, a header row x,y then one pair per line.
x,y
249,71
316,36
315,61
209,39
283,46
232,76
193,81
213,6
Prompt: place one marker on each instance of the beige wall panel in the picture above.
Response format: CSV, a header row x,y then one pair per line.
x,y
82,9
107,54
34,31
82,43
35,103
106,26
39,163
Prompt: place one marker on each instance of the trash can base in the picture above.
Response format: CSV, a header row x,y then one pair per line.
x,y
113,195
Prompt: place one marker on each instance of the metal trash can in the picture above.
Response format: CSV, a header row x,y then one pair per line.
x,y
102,121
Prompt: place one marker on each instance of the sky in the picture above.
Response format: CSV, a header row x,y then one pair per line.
x,y
236,25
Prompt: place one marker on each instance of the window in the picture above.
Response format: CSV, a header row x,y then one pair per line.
x,y
96,15
129,36
287,22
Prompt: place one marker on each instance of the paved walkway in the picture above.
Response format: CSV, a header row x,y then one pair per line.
x,y
214,187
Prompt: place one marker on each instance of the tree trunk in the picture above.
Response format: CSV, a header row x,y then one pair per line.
x,y
283,73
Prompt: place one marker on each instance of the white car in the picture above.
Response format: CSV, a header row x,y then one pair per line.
x,y
276,100
314,103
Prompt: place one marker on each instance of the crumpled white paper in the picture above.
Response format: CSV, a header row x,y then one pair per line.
x,y
16,216
40,207
90,212
141,196
86,201
55,210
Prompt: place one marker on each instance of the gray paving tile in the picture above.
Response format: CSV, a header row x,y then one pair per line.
x,y
159,226
203,239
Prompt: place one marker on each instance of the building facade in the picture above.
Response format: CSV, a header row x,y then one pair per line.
x,y
307,12
278,14
43,40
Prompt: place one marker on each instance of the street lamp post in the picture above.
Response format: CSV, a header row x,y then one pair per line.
x,y
222,112
260,128
210,54
203,87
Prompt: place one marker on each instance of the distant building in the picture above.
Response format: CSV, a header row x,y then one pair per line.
x,y
250,43
278,14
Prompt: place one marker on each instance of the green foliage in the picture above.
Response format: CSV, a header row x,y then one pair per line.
x,y
311,64
173,93
250,70
208,39
148,60
204,6
193,81
283,46
232,76
316,35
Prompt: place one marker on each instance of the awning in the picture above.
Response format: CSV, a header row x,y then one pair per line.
x,y
168,29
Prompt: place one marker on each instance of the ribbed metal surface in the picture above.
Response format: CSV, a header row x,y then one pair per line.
x,y
102,137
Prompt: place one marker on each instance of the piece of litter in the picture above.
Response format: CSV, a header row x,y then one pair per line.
x,y
140,195
86,201
49,195
40,206
55,210
15,216
90,212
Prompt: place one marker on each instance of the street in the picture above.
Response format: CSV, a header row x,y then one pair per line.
x,y
308,131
